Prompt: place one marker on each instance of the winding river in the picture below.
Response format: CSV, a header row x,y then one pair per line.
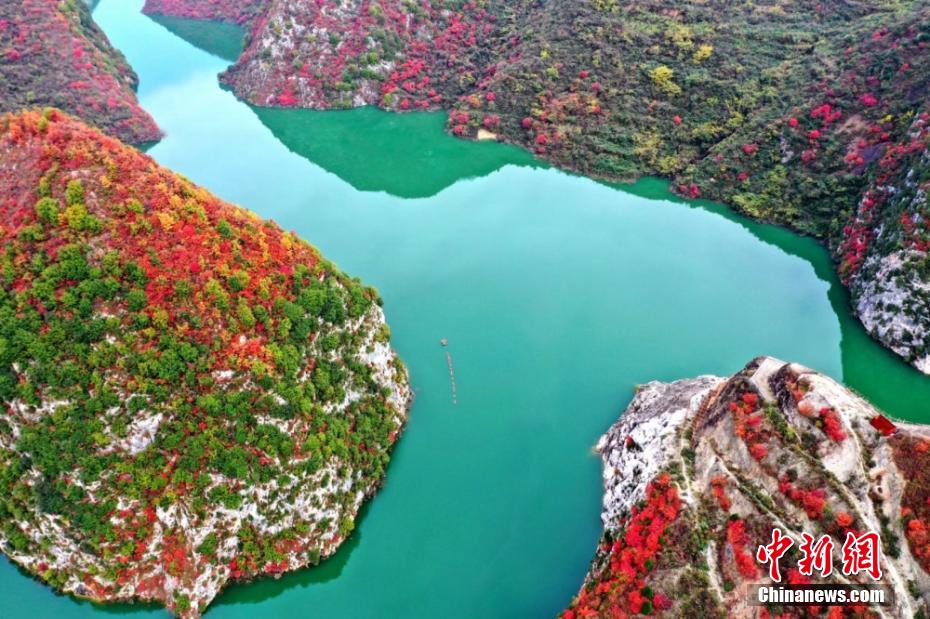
x,y
558,294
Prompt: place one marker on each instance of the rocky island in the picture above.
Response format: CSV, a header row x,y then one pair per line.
x,y
698,472
53,54
802,114
192,395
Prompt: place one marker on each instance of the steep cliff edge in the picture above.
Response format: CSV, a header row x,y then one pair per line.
x,y
698,472
886,247
192,396
53,54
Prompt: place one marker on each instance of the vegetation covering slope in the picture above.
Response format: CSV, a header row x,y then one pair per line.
x,y
698,472
799,112
53,54
230,11
192,396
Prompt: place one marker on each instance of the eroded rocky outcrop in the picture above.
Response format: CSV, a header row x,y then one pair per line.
x,y
886,251
698,472
192,395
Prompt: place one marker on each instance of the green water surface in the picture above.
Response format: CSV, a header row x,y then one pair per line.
x,y
557,294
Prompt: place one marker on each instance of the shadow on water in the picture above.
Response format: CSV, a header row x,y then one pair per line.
x,y
137,609
374,150
368,148
329,569
220,39
411,163
868,367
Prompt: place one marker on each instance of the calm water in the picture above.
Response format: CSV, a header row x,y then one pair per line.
x,y
557,294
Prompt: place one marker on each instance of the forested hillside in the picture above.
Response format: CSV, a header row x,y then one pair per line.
x,y
801,113
53,54
193,396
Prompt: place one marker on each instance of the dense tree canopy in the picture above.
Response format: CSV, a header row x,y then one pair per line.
x,y
191,393
52,53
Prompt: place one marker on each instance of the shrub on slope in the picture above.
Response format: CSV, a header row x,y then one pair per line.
x,y
192,395
52,53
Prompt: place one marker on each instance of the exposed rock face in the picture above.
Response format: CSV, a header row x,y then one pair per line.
x,y
53,54
698,472
193,396
348,54
889,238
894,304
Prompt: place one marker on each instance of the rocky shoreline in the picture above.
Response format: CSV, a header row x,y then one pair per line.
x,y
723,461
222,424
